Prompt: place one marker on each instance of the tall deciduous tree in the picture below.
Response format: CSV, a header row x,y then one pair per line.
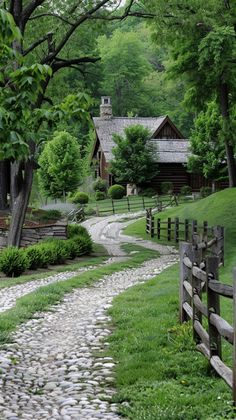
x,y
202,38
60,166
207,146
66,18
133,156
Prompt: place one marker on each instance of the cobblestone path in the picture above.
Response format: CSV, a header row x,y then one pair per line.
x,y
55,367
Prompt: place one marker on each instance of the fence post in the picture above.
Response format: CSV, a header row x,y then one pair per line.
x,y
147,221
194,227
128,203
169,229
185,250
113,207
205,238
97,210
196,285
186,230
213,305
158,228
176,232
218,247
234,325
143,203
152,224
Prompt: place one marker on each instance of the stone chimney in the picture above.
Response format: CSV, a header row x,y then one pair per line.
x,y
106,108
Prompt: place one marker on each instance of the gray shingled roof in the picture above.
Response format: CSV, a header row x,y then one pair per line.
x,y
167,150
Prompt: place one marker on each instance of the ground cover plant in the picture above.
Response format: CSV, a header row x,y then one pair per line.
x,y
159,374
44,297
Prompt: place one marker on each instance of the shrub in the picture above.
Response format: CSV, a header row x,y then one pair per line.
x,y
36,256
80,198
89,211
13,262
50,215
57,250
116,191
167,187
186,190
100,195
83,244
148,192
76,230
71,249
100,185
205,191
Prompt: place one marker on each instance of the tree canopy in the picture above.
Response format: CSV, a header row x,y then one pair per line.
x,y
133,156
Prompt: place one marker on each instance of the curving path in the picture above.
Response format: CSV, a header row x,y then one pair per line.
x,y
55,368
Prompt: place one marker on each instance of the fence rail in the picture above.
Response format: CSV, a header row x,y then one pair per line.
x,y
176,230
128,204
199,276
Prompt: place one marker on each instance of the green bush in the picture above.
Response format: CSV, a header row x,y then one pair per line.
x,y
186,190
36,256
80,198
50,215
100,185
89,211
71,247
57,251
76,230
167,187
83,244
205,191
116,191
13,261
147,192
100,195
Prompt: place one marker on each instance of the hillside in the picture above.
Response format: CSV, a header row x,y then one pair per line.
x,y
218,209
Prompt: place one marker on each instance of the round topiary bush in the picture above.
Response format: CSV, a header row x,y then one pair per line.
x,y
13,261
80,198
100,195
186,190
116,191
100,185
76,230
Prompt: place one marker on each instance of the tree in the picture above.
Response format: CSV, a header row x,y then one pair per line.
x,y
202,39
133,156
66,17
60,166
124,68
207,147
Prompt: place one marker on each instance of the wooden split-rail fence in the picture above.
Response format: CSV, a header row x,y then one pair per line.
x,y
200,293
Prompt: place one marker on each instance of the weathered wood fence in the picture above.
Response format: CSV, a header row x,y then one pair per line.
x,y
200,292
176,230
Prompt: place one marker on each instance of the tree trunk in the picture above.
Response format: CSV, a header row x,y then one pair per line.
x,y
4,183
21,188
224,103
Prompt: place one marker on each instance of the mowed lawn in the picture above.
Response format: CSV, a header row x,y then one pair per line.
x,y
160,375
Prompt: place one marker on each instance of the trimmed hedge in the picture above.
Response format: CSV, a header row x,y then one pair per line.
x,y
14,261
100,185
100,195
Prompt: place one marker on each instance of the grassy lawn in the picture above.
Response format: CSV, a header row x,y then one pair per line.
x,y
133,204
160,374
217,209
45,296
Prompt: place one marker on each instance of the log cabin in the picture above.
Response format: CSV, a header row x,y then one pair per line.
x,y
172,149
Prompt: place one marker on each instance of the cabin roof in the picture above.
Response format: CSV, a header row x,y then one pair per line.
x,y
166,150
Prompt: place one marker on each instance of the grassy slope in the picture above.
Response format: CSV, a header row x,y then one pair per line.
x,y
216,209
159,371
160,374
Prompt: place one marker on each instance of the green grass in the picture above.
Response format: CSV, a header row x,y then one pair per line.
x,y
217,209
121,206
160,374
45,296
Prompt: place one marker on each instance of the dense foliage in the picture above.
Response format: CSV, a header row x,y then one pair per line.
x,y
133,156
